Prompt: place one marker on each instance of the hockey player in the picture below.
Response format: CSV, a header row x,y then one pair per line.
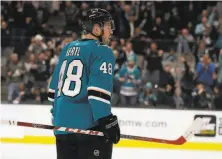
x,y
81,88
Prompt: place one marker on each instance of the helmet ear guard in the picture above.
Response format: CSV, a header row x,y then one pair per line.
x,y
101,33
88,28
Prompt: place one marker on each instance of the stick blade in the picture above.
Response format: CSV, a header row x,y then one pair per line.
x,y
196,126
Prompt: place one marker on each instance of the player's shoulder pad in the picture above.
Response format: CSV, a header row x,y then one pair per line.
x,y
104,50
72,43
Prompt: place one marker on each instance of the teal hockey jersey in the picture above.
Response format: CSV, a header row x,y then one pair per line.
x,y
81,84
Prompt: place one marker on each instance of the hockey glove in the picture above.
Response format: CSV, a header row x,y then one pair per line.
x,y
110,128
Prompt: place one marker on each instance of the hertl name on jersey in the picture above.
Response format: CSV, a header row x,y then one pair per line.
x,y
73,51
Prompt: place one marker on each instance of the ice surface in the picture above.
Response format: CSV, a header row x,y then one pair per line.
x,y
26,151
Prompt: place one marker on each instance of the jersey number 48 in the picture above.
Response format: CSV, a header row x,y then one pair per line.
x,y
70,77
64,84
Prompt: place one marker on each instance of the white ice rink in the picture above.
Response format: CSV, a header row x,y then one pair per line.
x,y
26,151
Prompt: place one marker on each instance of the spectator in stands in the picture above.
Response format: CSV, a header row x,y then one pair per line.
x,y
158,29
51,44
185,34
114,44
176,71
206,36
130,52
18,18
5,11
15,72
83,9
130,78
166,86
178,100
30,11
188,18
218,97
140,46
120,59
122,42
31,29
37,45
124,30
205,71
30,64
200,28
187,82
200,51
40,72
183,41
187,79
42,18
171,57
147,97
145,14
205,22
6,39
52,59
154,65
132,25
6,49
204,13
201,99
71,13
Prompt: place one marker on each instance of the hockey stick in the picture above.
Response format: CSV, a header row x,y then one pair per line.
x,y
196,125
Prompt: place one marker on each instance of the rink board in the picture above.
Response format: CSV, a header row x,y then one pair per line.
x,y
166,124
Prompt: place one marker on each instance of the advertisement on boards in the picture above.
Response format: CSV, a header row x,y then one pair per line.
x,y
209,127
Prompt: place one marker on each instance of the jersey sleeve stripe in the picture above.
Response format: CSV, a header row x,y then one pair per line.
x,y
99,89
99,94
50,99
51,90
99,99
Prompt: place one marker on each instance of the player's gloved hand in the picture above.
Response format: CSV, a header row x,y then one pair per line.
x,y
110,128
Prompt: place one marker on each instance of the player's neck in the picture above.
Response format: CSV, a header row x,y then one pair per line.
x,y
90,36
